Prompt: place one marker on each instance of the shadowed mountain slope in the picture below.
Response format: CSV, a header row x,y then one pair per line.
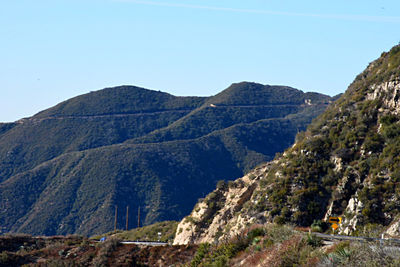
x,y
65,169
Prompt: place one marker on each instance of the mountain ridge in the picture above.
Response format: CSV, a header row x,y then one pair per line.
x,y
65,169
125,99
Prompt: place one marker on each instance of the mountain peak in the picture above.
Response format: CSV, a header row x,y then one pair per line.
x,y
120,100
250,93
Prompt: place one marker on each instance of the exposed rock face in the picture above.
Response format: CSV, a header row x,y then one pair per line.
x,y
389,92
218,215
394,229
354,209
346,164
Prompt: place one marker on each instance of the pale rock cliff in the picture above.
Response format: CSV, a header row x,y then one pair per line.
x,y
393,230
219,215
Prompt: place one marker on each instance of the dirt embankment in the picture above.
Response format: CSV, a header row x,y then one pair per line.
x,y
78,251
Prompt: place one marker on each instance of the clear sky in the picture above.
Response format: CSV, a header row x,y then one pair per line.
x,y
56,49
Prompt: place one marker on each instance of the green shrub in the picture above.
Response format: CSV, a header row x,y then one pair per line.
x,y
4,258
222,185
319,226
255,233
201,252
313,240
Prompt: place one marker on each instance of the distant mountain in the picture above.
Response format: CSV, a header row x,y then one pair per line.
x,y
346,164
65,169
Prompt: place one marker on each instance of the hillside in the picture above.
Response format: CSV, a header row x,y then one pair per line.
x,y
345,164
65,169
240,103
101,118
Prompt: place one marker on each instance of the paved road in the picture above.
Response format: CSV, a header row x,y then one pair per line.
x,y
144,243
390,241
390,244
139,243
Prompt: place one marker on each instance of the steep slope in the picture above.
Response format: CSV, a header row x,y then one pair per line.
x,y
346,163
65,169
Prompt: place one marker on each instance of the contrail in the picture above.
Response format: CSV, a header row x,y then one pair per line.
x,y
390,19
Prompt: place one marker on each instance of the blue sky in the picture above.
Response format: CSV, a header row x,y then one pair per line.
x,y
56,49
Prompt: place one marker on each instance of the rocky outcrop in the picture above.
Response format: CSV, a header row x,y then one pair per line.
x,y
389,92
393,230
219,215
354,215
